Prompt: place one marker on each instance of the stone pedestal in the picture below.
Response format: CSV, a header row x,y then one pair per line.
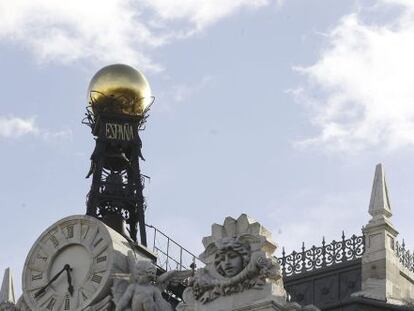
x,y
266,299
378,261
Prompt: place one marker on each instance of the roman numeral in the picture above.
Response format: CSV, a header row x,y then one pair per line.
x,y
44,258
101,259
51,303
86,233
89,234
96,278
69,232
37,276
46,249
97,242
54,240
67,303
84,297
38,296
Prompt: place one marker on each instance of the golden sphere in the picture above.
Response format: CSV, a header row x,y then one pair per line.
x,y
119,89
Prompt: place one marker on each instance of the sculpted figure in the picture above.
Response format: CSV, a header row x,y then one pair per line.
x,y
234,268
240,271
142,294
238,257
141,290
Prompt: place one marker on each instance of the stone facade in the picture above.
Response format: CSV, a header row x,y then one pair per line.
x,y
377,275
241,272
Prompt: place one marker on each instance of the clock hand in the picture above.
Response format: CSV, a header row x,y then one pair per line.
x,y
43,289
70,287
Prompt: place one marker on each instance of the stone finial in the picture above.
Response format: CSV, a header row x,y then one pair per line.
x,y
380,278
379,204
7,289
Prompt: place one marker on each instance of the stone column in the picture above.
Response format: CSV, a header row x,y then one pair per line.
x,y
7,298
378,262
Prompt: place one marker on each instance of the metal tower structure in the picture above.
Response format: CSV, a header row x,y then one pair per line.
x,y
119,98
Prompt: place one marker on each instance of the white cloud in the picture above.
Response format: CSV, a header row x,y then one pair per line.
x,y
14,127
200,13
108,30
181,93
56,136
360,91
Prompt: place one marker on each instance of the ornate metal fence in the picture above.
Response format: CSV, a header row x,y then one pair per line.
x,y
327,255
404,255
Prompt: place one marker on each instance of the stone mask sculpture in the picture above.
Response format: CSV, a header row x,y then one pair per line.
x,y
231,257
240,271
237,257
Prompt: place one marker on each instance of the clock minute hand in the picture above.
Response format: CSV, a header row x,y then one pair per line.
x,y
70,286
43,289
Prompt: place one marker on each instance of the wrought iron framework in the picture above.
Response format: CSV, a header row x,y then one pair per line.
x,y
327,255
116,194
405,257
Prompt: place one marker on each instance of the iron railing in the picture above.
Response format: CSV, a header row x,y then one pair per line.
x,y
170,254
327,255
405,257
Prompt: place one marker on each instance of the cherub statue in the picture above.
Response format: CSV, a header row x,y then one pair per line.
x,y
143,290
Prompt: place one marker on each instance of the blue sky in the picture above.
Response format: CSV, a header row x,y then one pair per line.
x,y
277,109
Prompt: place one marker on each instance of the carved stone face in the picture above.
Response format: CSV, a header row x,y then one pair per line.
x,y
142,277
144,272
232,256
230,263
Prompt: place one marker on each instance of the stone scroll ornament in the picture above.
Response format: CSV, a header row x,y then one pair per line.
x,y
140,289
240,271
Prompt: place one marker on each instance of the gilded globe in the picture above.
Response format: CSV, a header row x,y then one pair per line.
x,y
119,89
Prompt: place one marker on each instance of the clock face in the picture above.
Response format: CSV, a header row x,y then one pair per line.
x,y
69,265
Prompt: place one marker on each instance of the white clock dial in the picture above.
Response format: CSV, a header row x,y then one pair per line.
x,y
70,265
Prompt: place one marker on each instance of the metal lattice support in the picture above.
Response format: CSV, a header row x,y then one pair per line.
x,y
323,256
116,194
